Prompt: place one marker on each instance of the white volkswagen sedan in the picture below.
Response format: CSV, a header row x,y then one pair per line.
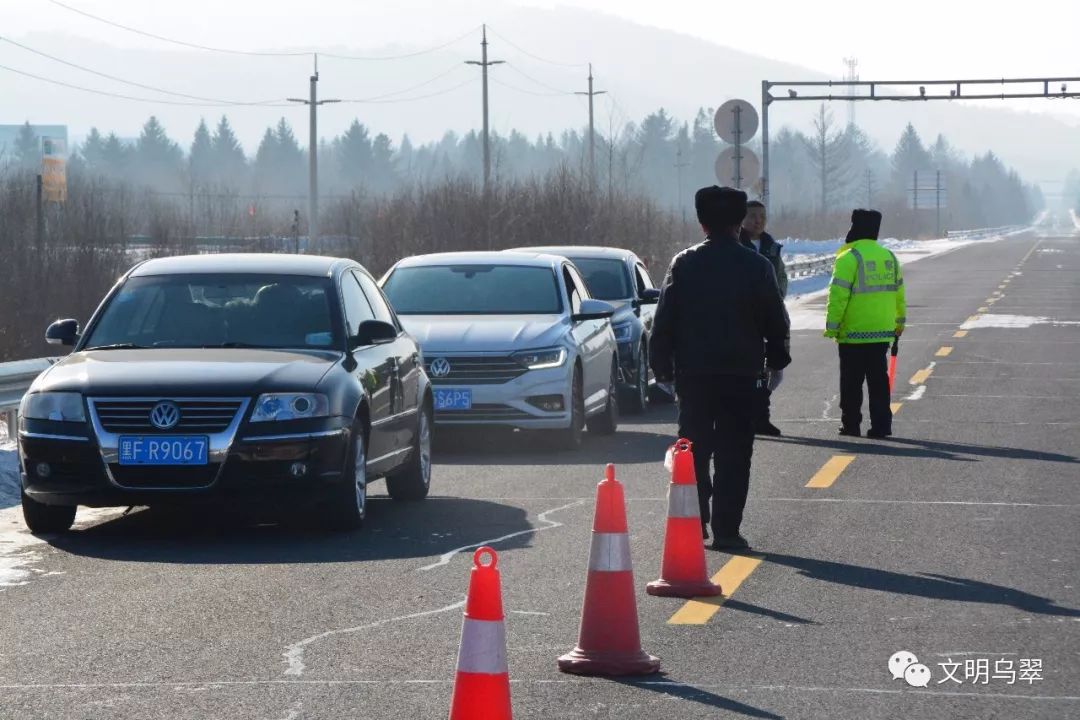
x,y
510,339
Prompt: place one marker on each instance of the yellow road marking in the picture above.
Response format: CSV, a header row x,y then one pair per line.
x,y
960,334
896,407
983,309
943,351
973,318
831,470
920,377
991,301
729,578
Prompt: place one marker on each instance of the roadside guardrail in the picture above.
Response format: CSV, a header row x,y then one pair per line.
x,y
15,380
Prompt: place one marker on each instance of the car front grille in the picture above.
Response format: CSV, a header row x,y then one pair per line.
x,y
483,412
476,370
202,417
164,477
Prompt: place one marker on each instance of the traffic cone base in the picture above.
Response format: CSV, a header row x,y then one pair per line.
x,y
583,662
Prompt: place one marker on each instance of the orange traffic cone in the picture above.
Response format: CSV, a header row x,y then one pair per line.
x,y
482,684
609,642
682,571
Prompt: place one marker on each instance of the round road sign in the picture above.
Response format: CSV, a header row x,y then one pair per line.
x,y
736,122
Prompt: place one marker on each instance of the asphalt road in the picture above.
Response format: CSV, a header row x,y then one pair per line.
x,y
957,541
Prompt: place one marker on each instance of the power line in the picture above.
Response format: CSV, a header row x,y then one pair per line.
x,y
530,78
131,82
455,68
515,88
377,58
362,101
174,41
159,101
532,55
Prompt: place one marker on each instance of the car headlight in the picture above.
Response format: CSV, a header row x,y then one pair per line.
x,y
623,332
290,406
63,406
541,359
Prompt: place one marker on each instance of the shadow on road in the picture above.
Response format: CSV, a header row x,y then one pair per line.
x,y
703,697
503,447
928,585
746,607
393,531
910,447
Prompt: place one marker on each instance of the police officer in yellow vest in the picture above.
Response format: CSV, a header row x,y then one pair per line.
x,y
866,312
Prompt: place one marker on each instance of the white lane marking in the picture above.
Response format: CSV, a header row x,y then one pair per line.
x,y
576,681
828,406
917,395
990,320
294,711
529,612
445,558
294,654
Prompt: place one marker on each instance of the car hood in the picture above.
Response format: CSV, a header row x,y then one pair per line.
x,y
464,333
186,372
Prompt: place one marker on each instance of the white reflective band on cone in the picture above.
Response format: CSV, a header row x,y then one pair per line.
x,y
682,502
483,647
610,552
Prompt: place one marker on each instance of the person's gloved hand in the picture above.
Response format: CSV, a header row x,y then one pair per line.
x,y
774,378
832,333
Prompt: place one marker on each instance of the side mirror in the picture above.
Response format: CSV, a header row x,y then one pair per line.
x,y
594,310
649,296
373,332
63,332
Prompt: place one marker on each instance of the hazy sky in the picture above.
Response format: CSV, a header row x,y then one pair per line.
x,y
895,38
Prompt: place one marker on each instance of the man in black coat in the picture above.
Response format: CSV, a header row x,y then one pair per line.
x,y
720,320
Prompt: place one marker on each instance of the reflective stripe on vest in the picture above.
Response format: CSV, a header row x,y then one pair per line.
x,y
872,335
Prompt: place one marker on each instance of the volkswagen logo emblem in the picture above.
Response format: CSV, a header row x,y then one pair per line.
x,y
440,367
165,415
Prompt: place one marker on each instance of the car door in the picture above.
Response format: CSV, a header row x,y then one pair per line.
x,y
594,342
374,369
405,356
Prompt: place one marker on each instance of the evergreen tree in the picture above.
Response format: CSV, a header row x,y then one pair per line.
x,y
116,157
909,156
201,157
353,155
27,149
157,159
92,153
229,166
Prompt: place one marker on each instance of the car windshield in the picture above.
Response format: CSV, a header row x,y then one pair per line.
x,y
607,279
243,310
473,290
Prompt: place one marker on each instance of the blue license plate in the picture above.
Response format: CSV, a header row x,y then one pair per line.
x,y
453,399
166,450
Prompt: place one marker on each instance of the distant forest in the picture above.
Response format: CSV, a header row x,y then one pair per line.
x,y
821,171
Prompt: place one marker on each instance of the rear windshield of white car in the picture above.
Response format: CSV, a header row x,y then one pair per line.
x,y
607,279
474,290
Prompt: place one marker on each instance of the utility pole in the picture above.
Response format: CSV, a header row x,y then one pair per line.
x,y
679,165
592,131
869,188
937,192
313,153
39,214
484,64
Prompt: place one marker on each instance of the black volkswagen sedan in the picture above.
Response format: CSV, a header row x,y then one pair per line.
x,y
230,379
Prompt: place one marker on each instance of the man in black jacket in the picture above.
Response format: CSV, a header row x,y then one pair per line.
x,y
719,322
755,238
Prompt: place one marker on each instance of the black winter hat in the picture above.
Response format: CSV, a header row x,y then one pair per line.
x,y
719,207
865,225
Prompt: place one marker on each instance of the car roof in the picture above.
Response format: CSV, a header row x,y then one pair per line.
x,y
525,259
241,263
582,251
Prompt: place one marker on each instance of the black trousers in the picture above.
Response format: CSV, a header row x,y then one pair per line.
x,y
717,414
865,363
762,401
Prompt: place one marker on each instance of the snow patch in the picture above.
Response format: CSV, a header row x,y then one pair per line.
x,y
1012,321
9,475
917,395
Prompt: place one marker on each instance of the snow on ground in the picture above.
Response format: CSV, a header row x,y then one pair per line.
x,y
9,475
806,315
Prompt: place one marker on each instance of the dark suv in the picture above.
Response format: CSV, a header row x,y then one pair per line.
x,y
233,379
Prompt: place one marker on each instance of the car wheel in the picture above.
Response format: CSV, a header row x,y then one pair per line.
x,y
42,518
607,422
638,399
414,480
571,437
348,508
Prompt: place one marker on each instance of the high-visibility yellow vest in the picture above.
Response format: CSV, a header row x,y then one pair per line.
x,y
866,297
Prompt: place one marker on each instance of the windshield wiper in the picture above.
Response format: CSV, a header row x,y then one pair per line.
x,y
118,346
233,344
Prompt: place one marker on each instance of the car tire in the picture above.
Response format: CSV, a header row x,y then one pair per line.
x,y
348,506
414,480
607,421
42,518
637,400
571,438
